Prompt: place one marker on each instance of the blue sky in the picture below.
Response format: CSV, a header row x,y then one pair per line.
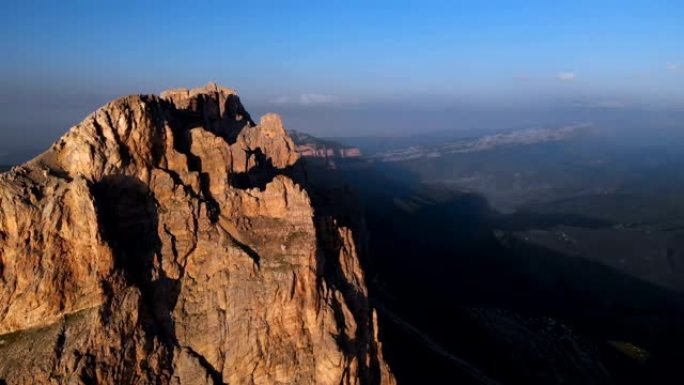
x,y
68,57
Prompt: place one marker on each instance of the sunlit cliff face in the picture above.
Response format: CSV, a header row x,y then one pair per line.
x,y
172,240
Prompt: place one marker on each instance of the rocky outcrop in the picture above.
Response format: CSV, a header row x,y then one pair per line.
x,y
316,152
171,240
327,153
310,146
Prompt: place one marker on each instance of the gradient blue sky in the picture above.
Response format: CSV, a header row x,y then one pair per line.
x,y
321,62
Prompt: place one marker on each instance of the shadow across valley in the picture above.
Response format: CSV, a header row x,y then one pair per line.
x,y
448,265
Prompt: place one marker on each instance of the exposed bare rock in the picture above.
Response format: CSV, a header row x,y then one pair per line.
x,y
171,240
310,146
331,154
316,152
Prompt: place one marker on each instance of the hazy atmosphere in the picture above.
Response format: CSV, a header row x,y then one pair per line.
x,y
334,70
341,192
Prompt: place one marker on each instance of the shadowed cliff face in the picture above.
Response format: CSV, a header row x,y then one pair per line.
x,y
171,240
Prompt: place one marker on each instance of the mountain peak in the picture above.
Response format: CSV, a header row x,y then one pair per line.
x,y
169,240
136,133
208,89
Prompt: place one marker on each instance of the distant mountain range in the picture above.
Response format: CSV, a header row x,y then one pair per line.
x,y
311,146
484,143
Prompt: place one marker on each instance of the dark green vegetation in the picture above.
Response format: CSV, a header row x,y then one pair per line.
x,y
575,276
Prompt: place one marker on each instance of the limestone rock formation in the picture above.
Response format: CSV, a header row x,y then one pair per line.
x,y
310,146
171,240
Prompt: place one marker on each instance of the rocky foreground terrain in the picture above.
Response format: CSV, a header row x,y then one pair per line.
x,y
171,240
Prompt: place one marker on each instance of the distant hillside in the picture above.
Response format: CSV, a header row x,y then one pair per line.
x,y
310,146
483,143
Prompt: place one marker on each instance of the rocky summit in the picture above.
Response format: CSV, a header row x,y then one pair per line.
x,y
172,240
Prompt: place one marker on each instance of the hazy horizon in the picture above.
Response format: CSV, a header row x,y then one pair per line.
x,y
396,68
479,192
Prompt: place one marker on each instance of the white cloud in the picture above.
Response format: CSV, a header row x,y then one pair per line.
x,y
282,100
608,104
673,67
600,103
307,99
566,76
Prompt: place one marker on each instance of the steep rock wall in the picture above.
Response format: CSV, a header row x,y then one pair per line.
x,y
171,240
